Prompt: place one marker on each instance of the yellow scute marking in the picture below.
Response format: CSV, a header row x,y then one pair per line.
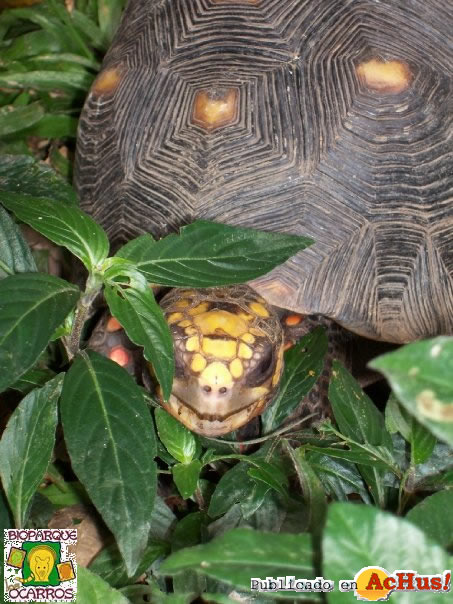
x,y
198,310
191,331
385,76
221,321
185,323
183,303
256,331
245,352
236,368
193,344
107,81
222,349
259,309
216,374
247,337
198,363
173,317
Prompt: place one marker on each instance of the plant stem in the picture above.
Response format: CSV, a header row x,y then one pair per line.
x,y
93,287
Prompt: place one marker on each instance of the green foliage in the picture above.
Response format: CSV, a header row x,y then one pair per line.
x,y
279,506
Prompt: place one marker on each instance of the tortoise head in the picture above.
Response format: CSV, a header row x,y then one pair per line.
x,y
228,355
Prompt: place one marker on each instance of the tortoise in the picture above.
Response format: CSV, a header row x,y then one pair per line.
x,y
330,119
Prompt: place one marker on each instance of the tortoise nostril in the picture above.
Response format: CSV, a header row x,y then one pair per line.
x,y
207,388
222,390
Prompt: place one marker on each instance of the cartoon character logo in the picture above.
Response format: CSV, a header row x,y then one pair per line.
x,y
41,560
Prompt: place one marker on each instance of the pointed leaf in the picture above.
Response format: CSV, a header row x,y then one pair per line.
x,y
359,419
93,589
25,175
186,477
142,318
208,254
63,224
237,556
15,255
339,478
32,306
433,516
44,80
178,440
26,446
14,119
312,490
303,365
420,375
358,535
110,439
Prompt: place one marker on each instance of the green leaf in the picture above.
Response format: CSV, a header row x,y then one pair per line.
x,y
240,554
110,440
109,564
186,477
32,306
312,490
109,14
270,474
63,224
420,375
47,80
339,478
422,442
26,446
92,589
162,520
358,535
66,494
23,174
34,378
54,125
237,486
14,119
433,516
15,255
303,365
359,419
178,440
209,254
138,312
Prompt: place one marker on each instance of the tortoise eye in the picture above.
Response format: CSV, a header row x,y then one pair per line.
x,y
264,368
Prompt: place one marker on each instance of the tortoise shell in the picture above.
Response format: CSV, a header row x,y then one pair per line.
x,y
330,119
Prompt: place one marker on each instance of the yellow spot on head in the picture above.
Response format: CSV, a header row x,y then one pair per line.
x,y
198,363
247,337
236,368
191,331
259,309
198,310
222,349
185,323
256,331
107,81
221,322
387,77
216,374
183,303
173,317
245,352
193,344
